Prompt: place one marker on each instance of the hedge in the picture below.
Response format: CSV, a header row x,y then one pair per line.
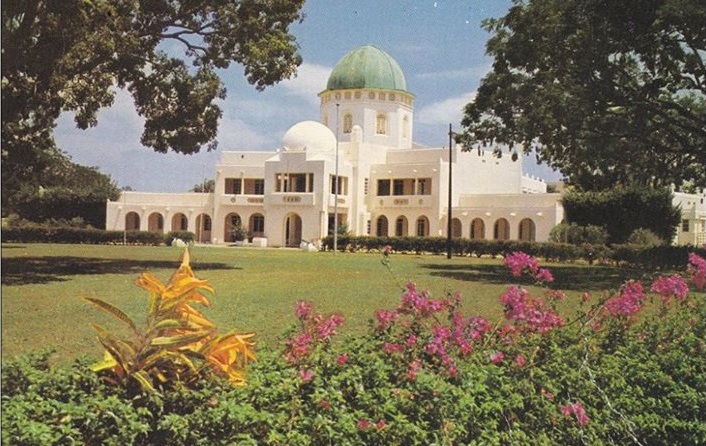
x,y
654,257
36,233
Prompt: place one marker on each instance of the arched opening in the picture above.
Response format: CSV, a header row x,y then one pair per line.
x,y
132,221
155,222
203,228
422,226
477,229
233,228
381,124
456,228
347,123
401,225
527,230
292,230
180,222
501,229
257,225
381,226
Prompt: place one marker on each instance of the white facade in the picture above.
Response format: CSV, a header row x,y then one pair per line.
x,y
388,185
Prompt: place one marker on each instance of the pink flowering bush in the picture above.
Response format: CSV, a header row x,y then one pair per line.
x,y
628,368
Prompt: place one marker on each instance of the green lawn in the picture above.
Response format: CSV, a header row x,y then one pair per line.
x,y
42,287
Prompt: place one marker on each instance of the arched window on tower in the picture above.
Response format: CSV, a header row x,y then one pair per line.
x,y
347,123
381,124
405,127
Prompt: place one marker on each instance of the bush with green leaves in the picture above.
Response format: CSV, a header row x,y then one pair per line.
x,y
628,368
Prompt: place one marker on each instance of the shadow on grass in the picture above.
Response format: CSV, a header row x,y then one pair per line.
x,y
566,277
33,270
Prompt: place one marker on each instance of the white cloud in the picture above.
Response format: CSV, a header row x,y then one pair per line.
x,y
234,134
475,72
310,81
443,112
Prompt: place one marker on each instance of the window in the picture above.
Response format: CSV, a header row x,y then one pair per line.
x,y
685,226
424,186
401,226
347,123
233,186
342,187
294,182
259,186
405,127
381,227
398,187
383,187
365,186
422,227
257,224
381,124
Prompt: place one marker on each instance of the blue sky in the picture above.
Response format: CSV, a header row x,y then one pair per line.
x,y
439,45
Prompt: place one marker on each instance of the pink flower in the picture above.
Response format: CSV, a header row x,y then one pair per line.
x,y
298,347
393,348
520,361
411,340
668,287
328,327
303,309
413,370
697,269
381,424
385,318
518,262
628,302
342,359
306,375
543,275
577,410
364,424
497,357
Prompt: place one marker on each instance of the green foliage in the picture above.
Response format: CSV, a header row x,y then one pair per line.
x,y
41,233
644,237
623,210
177,343
185,236
577,235
639,382
69,56
607,93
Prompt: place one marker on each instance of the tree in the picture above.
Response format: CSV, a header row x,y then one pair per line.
x,y
206,186
60,55
66,191
606,91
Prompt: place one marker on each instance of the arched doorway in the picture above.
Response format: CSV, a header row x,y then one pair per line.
x,y
501,230
180,222
203,228
456,228
257,225
527,230
422,226
401,226
132,221
381,226
155,222
293,230
477,229
230,225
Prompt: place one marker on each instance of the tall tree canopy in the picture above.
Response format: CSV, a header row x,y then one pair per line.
x,y
607,91
69,55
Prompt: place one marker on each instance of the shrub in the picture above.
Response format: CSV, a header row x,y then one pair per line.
x,y
644,237
177,344
185,236
617,372
576,235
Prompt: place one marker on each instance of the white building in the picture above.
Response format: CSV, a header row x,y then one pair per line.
x,y
387,185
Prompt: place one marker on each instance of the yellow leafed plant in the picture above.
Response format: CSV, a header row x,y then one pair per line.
x,y
177,343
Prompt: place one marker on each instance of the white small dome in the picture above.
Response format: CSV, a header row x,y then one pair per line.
x,y
309,136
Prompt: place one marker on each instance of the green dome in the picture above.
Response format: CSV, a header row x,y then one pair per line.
x,y
367,67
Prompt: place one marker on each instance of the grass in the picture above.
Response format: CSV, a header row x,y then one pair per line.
x,y
256,289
